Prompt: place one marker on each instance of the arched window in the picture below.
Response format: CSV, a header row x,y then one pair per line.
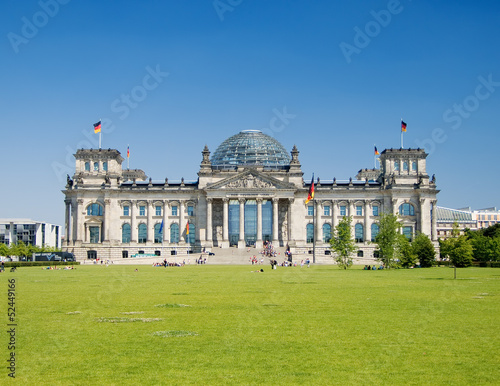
x,y
190,238
143,233
309,233
396,165
405,166
87,166
105,166
174,233
158,234
327,233
126,233
414,166
96,166
406,209
375,230
94,210
358,233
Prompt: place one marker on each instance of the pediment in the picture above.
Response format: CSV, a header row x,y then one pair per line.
x,y
250,180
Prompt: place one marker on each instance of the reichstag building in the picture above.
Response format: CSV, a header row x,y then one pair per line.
x,y
248,191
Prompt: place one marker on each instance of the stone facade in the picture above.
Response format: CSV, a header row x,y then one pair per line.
x,y
103,202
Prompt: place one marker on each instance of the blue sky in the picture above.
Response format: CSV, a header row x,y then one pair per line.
x,y
335,78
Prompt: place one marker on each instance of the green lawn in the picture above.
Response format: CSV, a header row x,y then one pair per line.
x,y
228,325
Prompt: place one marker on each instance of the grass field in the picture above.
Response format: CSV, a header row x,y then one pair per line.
x,y
228,325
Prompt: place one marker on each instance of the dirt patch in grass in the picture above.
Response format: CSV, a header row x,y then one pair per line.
x,y
172,305
174,334
127,320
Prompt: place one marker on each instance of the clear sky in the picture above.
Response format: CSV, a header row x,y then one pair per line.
x,y
167,77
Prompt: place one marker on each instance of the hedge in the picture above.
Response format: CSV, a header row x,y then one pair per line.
x,y
38,263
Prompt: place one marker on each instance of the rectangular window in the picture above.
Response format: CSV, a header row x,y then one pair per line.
x,y
94,234
310,210
142,210
359,210
326,210
126,210
174,210
375,210
158,210
190,210
342,210
408,232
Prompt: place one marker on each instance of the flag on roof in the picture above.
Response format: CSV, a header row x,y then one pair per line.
x,y
403,126
97,127
376,151
310,195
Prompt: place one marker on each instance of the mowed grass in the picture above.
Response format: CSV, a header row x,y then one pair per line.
x,y
228,325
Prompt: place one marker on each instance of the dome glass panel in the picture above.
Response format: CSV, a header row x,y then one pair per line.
x,y
250,148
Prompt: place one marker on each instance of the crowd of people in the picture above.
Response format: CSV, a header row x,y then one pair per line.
x,y
372,268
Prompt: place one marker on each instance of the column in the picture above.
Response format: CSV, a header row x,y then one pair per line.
x,y
434,220
352,213
275,221
422,215
181,222
68,220
225,221
209,220
259,219
241,238
394,206
367,225
133,222
107,219
334,215
166,228
150,235
80,228
291,235
258,241
317,225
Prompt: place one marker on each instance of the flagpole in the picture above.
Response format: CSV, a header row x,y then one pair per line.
x,y
100,131
401,133
374,158
314,233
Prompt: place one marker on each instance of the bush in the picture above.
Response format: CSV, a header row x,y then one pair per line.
x,y
38,263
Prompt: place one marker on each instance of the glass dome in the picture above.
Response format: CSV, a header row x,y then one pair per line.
x,y
250,148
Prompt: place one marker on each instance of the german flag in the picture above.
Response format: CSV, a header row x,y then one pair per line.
x,y
97,127
403,126
376,151
310,195
187,228
128,151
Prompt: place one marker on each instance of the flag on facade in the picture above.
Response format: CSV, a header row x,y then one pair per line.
x,y
97,127
128,151
403,126
310,195
161,227
187,228
376,151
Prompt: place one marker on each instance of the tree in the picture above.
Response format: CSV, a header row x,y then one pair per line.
x,y
405,252
342,243
387,239
459,250
22,249
4,250
424,250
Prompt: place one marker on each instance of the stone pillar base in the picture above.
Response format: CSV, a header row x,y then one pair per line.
x,y
241,244
258,244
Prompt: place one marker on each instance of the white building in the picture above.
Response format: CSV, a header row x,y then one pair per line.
x,y
29,232
249,191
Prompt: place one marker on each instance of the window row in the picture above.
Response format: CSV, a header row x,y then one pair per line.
x,y
142,235
327,232
174,210
343,210
397,166
95,166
